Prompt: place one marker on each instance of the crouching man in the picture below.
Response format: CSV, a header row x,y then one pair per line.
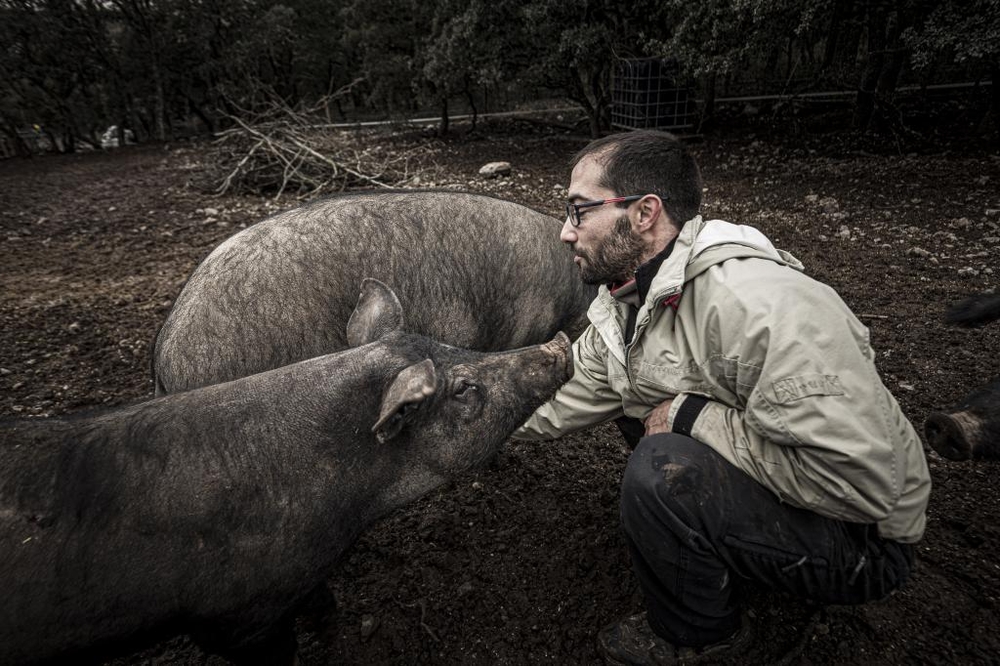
x,y
767,451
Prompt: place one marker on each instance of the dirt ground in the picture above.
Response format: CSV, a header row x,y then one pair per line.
x,y
523,562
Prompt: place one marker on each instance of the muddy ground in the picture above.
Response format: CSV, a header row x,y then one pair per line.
x,y
523,563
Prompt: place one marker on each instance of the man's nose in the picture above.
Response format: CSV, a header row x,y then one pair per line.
x,y
568,232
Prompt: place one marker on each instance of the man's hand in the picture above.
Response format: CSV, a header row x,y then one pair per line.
x,y
657,421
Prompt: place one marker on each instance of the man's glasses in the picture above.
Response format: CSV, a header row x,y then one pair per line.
x,y
573,210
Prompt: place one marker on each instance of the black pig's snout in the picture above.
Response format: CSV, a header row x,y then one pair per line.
x,y
559,351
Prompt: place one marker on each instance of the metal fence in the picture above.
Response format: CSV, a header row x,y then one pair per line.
x,y
648,93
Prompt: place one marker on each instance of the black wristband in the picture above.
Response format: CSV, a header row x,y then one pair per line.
x,y
688,414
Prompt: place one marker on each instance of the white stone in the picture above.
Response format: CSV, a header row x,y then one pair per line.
x,y
494,169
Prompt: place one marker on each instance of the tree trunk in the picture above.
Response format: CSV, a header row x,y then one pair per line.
x,y
897,55
992,116
17,144
864,104
160,108
472,105
840,14
205,116
594,91
708,102
995,92
594,121
443,130
579,95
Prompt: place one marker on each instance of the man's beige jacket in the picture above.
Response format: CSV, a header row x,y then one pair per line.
x,y
795,399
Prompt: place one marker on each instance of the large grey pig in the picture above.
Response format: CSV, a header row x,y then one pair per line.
x,y
470,270
971,429
219,510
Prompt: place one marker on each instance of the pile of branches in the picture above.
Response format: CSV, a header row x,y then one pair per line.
x,y
282,150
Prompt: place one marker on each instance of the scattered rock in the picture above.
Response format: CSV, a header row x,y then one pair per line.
x,y
968,271
494,169
812,198
829,205
918,252
74,327
844,232
960,223
369,623
4,372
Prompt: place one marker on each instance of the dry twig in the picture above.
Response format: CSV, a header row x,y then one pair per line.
x,y
287,150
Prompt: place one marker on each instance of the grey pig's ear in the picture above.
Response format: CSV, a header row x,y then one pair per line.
x,y
377,313
410,388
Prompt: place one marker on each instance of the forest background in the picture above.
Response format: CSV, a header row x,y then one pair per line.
x,y
165,69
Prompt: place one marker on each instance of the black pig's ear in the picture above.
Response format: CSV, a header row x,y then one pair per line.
x,y
377,313
410,388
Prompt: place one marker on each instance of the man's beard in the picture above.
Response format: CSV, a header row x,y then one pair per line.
x,y
616,258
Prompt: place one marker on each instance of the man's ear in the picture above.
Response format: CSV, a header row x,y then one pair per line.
x,y
650,208
407,392
377,313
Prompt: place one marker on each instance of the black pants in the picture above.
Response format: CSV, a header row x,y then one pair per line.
x,y
698,529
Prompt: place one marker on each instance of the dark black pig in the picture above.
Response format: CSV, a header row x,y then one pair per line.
x,y
470,270
971,430
220,511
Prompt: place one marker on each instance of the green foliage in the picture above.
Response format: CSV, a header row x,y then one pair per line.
x,y
962,32
77,66
727,36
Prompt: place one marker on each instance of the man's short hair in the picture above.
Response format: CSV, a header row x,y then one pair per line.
x,y
649,162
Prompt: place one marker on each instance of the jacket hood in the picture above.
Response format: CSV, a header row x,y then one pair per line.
x,y
705,243
700,245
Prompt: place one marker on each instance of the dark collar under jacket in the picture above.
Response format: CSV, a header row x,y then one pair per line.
x,y
634,290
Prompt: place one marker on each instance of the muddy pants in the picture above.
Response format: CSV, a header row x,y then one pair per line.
x,y
698,529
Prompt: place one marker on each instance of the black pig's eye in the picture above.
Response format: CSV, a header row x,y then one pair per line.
x,y
465,388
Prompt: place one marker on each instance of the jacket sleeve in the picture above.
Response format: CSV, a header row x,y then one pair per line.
x,y
585,400
814,422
